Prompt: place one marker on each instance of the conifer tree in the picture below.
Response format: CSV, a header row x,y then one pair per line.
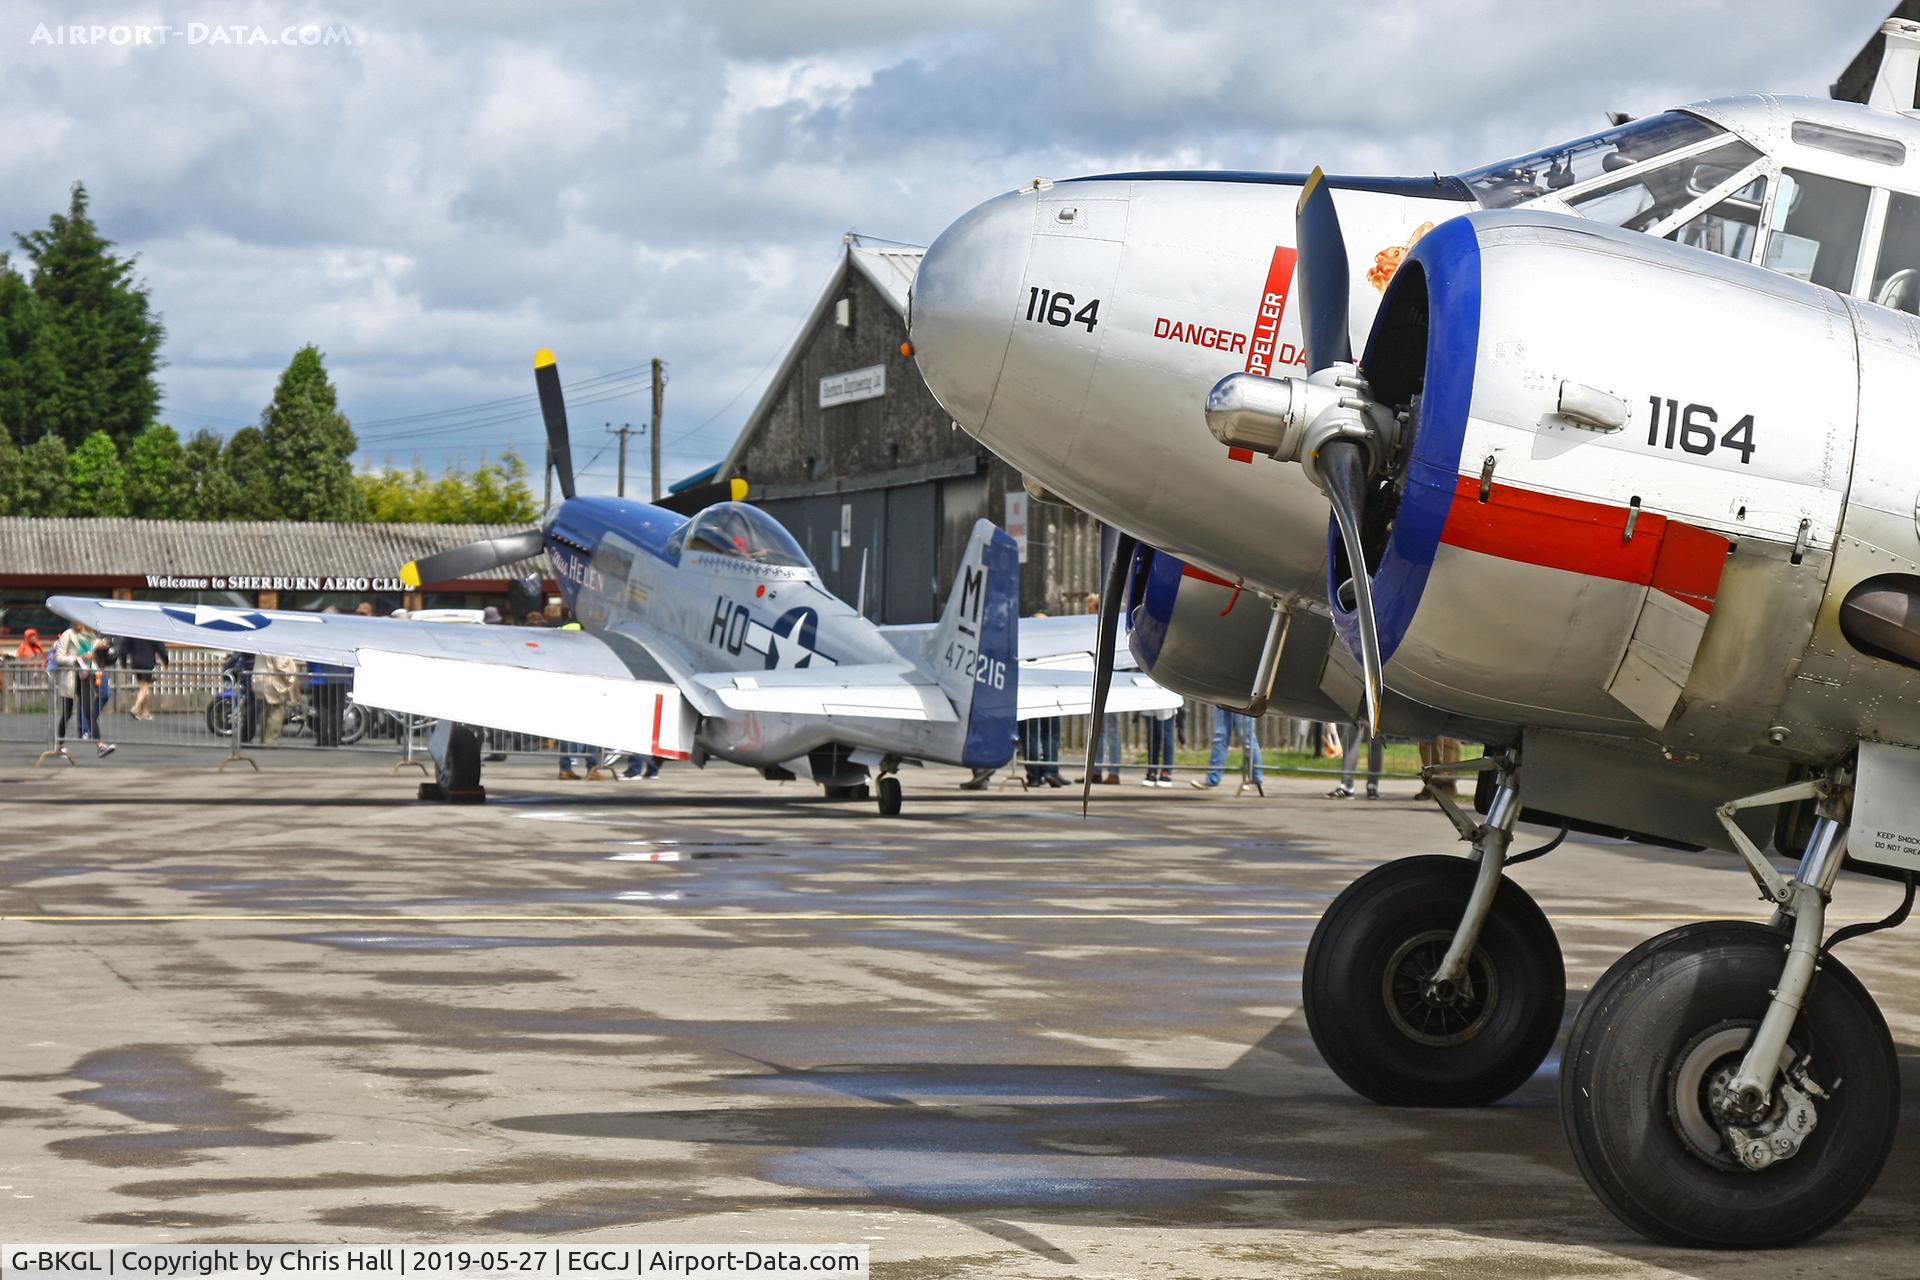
x,y
95,348
310,444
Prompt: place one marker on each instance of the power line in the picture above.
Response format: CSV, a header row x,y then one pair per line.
x,y
519,415
532,398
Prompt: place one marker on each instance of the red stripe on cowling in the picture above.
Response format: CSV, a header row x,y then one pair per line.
x,y
1588,538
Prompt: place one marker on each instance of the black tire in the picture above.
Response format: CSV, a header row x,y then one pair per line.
x,y
1384,1039
353,724
220,716
1622,1105
890,796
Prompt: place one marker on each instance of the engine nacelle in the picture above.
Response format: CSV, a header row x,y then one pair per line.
x,y
1196,633
1554,566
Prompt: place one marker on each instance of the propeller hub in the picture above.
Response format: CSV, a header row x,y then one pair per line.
x,y
1291,419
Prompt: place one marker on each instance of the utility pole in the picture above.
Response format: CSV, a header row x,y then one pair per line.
x,y
626,429
659,390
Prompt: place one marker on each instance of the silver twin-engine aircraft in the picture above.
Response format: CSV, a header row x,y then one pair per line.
x,y
702,636
1622,483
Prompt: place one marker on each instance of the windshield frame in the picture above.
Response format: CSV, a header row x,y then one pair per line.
x,y
773,547
1478,180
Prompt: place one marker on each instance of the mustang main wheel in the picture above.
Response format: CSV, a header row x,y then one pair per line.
x,y
1655,1043
889,795
1375,1021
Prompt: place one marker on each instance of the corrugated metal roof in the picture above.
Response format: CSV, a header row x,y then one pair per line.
x,y
890,267
134,548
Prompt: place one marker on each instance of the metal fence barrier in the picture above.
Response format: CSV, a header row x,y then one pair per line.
x,y
207,701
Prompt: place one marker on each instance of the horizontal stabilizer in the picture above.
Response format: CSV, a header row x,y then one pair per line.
x,y
874,691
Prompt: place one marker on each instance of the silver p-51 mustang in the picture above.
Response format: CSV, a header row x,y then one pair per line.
x,y
1623,483
702,636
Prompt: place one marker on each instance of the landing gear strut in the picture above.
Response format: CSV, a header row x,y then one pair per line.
x,y
1729,1084
1436,981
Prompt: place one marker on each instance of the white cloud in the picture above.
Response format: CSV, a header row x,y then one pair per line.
x,y
460,184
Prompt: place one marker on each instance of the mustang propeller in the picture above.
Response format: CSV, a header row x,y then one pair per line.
x,y
1328,421
492,553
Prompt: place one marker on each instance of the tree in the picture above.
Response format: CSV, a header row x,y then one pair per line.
x,y
43,478
310,445
24,371
96,347
156,474
98,483
493,493
209,492
9,473
249,473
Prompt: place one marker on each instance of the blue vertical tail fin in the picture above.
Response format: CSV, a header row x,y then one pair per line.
x,y
975,651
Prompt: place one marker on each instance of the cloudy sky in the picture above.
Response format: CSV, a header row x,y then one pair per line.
x,y
455,185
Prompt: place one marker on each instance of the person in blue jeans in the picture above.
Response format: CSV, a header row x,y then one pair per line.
x,y
1224,723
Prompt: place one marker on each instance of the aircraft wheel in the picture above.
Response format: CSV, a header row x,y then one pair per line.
x,y
890,796
1667,1024
1364,989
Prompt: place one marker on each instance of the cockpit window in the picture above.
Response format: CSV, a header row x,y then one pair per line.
x,y
744,532
1650,196
1815,228
1896,276
1511,182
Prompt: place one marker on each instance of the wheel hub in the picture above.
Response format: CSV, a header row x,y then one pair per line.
x,y
1438,1013
1710,1117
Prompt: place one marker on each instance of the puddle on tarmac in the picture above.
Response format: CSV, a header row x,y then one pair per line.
x,y
435,941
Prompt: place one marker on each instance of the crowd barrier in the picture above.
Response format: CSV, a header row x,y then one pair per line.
x,y
199,701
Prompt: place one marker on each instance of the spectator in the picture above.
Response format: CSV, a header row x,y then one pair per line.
x,y
1439,751
143,658
245,714
104,655
275,681
1224,723
74,685
1159,747
364,608
329,690
30,646
1351,736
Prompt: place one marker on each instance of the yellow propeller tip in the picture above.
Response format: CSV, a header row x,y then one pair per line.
x,y
737,489
542,358
410,573
1313,180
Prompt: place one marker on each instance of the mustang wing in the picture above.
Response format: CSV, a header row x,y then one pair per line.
x,y
575,686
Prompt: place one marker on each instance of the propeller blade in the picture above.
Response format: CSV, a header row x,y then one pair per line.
x,y
553,408
1111,602
474,557
691,501
1323,282
1343,472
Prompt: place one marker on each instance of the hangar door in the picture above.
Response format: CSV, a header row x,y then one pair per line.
x,y
897,531
912,534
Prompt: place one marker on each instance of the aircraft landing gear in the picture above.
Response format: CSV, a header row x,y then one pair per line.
x,y
455,749
1728,1084
1436,981
889,795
